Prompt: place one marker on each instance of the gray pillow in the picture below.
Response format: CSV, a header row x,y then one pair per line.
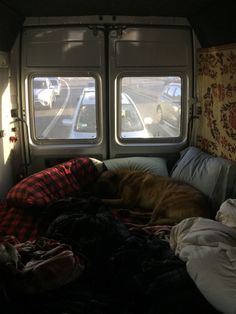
x,y
153,165
214,176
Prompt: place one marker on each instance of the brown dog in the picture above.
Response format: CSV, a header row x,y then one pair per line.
x,y
164,200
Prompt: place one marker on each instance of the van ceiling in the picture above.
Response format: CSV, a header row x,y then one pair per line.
x,y
214,21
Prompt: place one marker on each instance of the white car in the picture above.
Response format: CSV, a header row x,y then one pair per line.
x,y
84,124
56,85
44,95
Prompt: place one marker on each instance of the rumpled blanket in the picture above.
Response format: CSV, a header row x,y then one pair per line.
x,y
127,269
34,267
209,249
227,213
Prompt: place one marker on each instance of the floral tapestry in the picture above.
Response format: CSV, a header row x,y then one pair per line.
x,y
216,83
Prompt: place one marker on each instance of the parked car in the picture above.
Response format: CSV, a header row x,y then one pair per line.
x,y
169,105
56,85
84,122
44,95
132,125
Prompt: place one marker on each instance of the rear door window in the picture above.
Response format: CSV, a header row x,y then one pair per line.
x,y
64,107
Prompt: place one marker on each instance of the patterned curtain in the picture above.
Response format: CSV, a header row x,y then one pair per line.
x,y
216,81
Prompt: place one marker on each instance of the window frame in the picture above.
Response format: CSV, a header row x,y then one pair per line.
x,y
184,117
35,140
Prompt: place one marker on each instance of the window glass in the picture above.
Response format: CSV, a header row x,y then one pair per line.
x,y
86,119
156,107
178,93
171,91
64,107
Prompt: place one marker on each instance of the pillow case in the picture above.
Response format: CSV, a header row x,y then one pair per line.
x,y
46,186
214,176
153,165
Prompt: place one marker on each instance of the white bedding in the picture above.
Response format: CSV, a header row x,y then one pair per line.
x,y
209,249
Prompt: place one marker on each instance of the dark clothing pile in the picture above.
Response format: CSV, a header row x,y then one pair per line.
x,y
126,272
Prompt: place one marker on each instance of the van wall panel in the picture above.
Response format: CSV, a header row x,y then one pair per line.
x,y
62,47
66,54
134,53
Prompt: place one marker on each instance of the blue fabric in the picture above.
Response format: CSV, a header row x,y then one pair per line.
x,y
214,176
153,165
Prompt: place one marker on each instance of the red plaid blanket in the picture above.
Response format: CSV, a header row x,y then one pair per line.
x,y
51,184
18,214
17,222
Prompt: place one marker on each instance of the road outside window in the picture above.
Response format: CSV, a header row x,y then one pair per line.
x,y
157,101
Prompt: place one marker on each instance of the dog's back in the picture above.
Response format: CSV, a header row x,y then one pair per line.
x,y
168,201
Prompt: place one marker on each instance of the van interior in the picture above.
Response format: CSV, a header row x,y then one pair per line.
x,y
146,89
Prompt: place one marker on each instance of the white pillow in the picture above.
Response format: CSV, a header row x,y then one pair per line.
x,y
153,165
214,176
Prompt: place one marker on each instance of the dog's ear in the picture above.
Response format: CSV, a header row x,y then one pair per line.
x,y
107,184
113,177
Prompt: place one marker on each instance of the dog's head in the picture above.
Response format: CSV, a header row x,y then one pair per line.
x,y
107,185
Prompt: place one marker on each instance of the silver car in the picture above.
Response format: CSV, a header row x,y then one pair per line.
x,y
84,125
169,105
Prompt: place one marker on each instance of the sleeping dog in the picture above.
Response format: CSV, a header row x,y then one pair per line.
x,y
163,200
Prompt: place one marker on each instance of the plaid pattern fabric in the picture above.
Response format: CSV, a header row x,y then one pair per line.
x,y
51,184
17,222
